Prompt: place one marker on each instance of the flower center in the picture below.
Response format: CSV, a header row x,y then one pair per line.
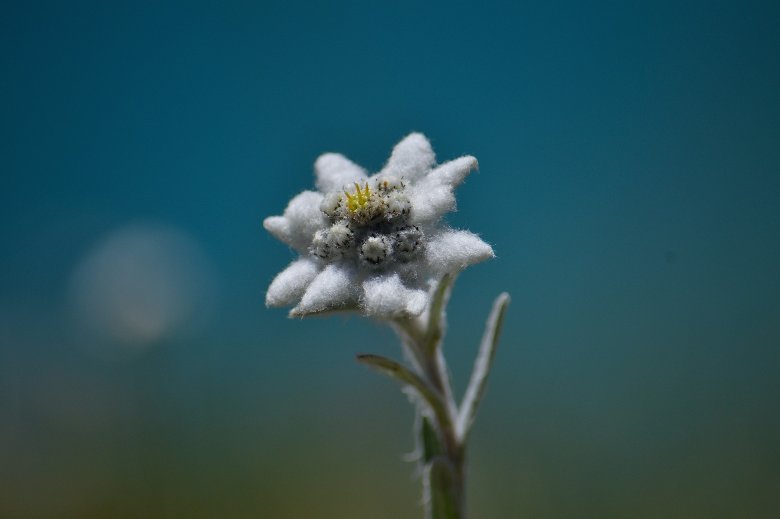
x,y
369,225
358,199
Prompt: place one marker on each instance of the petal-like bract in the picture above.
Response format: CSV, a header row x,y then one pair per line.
x,y
454,171
387,297
433,195
291,283
430,200
334,171
332,289
452,251
411,158
302,218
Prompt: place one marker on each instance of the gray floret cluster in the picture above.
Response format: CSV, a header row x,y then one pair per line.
x,y
369,225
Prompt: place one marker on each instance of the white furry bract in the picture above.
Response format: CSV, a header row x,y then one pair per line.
x,y
374,244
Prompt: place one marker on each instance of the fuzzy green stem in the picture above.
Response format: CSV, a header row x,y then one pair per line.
x,y
444,425
443,456
444,470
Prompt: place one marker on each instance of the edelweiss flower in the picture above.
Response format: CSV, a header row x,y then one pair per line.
x,y
374,244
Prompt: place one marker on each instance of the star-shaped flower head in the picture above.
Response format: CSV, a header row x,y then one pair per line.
x,y
374,244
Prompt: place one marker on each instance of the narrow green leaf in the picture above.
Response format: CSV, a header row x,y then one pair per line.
x,y
406,377
436,315
482,364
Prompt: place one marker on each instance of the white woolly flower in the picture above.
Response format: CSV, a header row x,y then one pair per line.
x,y
374,244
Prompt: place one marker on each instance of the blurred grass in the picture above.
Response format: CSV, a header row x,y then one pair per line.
x,y
130,442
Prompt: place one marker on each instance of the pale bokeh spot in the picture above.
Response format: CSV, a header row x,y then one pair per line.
x,y
141,284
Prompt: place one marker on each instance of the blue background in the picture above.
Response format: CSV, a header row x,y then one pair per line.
x,y
628,182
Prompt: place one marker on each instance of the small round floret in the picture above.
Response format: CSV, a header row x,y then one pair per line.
x,y
397,204
375,249
332,243
319,244
407,242
340,235
332,205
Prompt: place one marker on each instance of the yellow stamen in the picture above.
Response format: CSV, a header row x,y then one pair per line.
x,y
351,202
359,198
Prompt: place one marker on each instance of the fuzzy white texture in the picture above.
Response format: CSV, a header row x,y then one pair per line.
x,y
374,244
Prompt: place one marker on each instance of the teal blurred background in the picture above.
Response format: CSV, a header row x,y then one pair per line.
x,y
629,184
